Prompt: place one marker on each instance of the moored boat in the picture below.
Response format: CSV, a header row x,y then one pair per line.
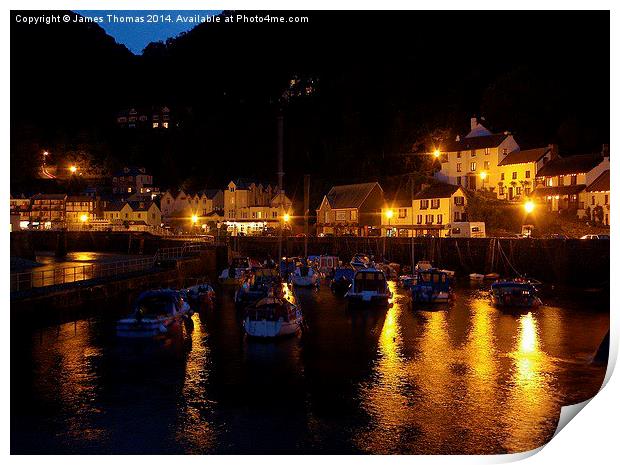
x,y
432,286
236,272
200,295
476,277
153,314
515,293
305,276
360,260
369,287
272,317
257,286
341,282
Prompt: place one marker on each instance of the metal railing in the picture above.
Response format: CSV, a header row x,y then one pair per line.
x,y
71,274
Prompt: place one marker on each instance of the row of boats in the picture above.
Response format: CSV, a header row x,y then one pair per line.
x,y
264,293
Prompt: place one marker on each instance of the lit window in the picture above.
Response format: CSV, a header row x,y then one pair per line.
x,y
165,125
514,175
155,125
473,166
458,167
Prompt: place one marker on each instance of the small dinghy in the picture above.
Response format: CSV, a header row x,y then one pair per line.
x,y
236,272
200,295
305,276
515,293
153,314
476,277
272,317
491,276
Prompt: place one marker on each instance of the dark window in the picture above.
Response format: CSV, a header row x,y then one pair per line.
x,y
527,174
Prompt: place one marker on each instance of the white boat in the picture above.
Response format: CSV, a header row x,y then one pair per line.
x,y
201,295
272,317
154,313
360,260
476,277
305,276
236,272
369,286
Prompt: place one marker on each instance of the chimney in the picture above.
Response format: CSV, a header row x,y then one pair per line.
x,y
605,151
554,151
474,122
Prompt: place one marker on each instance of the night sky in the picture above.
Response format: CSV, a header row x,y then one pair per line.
x,y
136,36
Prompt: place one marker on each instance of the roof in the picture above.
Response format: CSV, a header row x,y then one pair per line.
x,y
212,193
473,143
571,165
115,206
350,195
437,191
244,183
600,184
558,190
524,156
79,198
49,197
135,205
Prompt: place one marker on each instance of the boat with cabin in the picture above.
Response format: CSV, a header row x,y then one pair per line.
x,y
271,317
305,275
200,295
154,313
432,285
342,280
257,286
360,260
369,287
515,293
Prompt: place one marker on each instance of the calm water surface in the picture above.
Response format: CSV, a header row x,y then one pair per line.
x,y
468,379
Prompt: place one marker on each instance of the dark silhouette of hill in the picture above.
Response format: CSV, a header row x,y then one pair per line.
x,y
381,84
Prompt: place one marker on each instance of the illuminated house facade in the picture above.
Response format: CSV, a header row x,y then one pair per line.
x,y
473,161
251,207
132,180
518,170
48,210
596,200
562,181
434,209
352,209
79,208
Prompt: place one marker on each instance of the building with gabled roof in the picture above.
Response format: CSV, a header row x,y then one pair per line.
x,y
431,212
518,171
472,161
351,209
596,199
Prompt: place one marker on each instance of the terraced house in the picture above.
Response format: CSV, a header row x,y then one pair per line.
x,y
352,209
432,212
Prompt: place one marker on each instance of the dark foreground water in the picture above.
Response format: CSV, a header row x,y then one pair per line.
x,y
471,379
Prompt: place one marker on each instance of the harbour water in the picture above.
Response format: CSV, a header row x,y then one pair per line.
x,y
462,379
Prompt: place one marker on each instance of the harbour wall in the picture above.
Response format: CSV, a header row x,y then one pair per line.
x,y
575,262
70,301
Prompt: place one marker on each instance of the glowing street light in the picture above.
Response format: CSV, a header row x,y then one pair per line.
x,y
436,153
194,219
286,217
483,175
389,214
73,168
84,218
528,206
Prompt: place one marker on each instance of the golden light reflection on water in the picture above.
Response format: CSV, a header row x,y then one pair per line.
x,y
194,429
530,398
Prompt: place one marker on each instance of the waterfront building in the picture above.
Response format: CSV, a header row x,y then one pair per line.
x,y
79,209
352,209
131,180
561,182
48,211
20,212
596,200
134,215
518,170
433,211
473,161
251,207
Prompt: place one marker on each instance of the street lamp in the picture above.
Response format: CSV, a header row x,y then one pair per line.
x,y
389,213
528,206
84,218
483,177
286,217
73,169
436,153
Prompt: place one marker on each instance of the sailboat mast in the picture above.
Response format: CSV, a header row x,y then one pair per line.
x,y
280,121
412,230
306,211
